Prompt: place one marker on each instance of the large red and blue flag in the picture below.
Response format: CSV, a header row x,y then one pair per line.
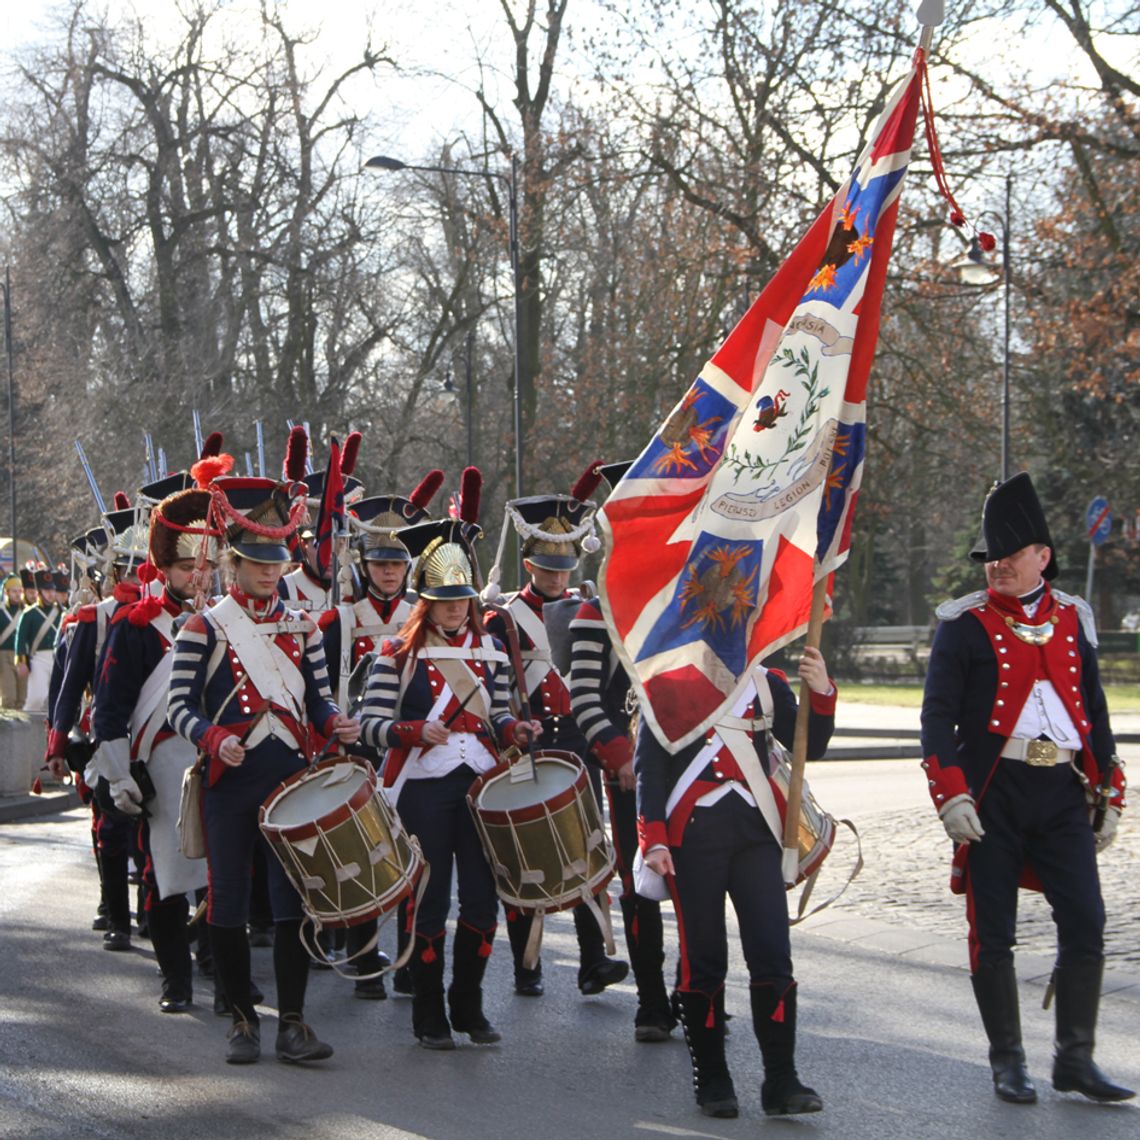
x,y
330,516
744,497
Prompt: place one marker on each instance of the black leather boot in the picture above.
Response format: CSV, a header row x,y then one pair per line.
x,y
171,942
595,970
368,962
774,1022
429,1018
644,938
117,896
465,994
703,1020
528,980
1077,998
995,990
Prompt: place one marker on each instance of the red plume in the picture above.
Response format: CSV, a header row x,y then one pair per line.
x,y
122,503
349,453
587,481
425,491
212,446
470,490
206,470
296,454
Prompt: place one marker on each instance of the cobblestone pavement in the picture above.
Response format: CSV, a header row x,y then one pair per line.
x,y
905,880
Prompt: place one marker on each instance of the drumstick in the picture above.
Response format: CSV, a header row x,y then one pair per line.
x,y
462,704
512,632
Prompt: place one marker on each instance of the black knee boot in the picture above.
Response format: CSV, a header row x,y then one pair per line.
x,y
528,982
295,1040
995,990
402,978
117,896
595,970
774,1021
644,938
230,946
366,962
703,1019
429,1018
465,994
171,942
1078,1000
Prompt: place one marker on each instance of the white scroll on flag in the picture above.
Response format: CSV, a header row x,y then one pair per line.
x,y
744,498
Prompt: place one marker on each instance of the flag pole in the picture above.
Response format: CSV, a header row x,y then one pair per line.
x,y
791,862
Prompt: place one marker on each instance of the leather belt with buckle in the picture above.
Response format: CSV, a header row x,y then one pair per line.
x,y
1037,753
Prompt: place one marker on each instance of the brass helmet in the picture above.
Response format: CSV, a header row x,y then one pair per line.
x,y
447,568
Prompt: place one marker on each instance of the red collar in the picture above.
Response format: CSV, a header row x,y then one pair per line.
x,y
1004,604
260,609
385,607
313,576
536,600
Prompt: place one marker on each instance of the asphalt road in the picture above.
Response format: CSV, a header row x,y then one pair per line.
x,y
888,1036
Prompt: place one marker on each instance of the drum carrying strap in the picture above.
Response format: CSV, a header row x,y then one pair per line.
x,y
310,936
537,661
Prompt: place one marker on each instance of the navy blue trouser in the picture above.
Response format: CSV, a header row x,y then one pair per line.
x,y
643,929
229,809
729,851
1034,816
436,812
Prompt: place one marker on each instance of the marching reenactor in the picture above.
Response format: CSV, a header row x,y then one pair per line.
x,y
603,703
354,631
710,819
437,701
69,733
553,529
305,588
1021,766
12,684
35,641
133,736
248,680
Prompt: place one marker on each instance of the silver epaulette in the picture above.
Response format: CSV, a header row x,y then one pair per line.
x,y
955,608
1084,612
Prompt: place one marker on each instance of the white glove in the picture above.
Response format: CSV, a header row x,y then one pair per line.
x,y
126,796
1108,827
112,761
960,818
646,881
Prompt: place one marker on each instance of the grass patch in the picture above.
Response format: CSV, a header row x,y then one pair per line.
x,y
1121,698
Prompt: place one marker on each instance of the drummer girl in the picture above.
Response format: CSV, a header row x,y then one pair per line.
x,y
437,701
709,819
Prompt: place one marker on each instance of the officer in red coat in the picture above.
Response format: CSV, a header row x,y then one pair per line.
x,y
1021,765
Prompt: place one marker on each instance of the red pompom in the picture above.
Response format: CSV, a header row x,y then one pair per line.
x,y
212,446
122,503
145,610
37,787
588,481
987,241
296,455
470,491
426,489
205,471
350,452
147,572
957,218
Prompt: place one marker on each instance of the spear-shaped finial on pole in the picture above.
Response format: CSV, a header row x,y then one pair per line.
x,y
930,14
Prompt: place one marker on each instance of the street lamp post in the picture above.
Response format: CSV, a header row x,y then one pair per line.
x,y
973,269
511,180
11,413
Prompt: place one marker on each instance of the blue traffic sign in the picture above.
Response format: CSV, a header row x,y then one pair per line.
x,y
1098,521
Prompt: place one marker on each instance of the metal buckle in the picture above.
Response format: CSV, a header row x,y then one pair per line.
x,y
1041,753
